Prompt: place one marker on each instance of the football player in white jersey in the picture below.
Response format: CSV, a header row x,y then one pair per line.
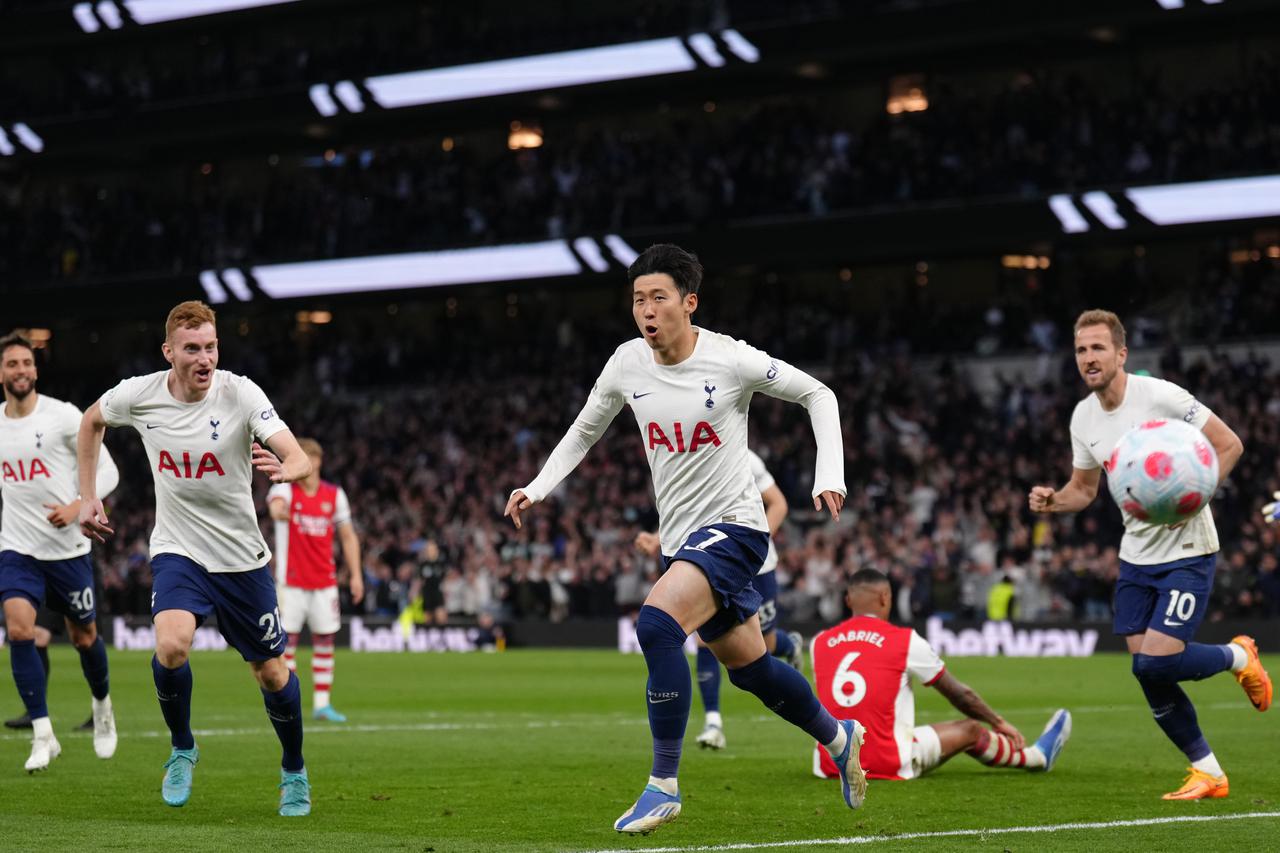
x,y
1166,573
44,558
202,429
690,389
783,644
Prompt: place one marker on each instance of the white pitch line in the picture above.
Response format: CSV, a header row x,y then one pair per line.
x,y
611,719
950,833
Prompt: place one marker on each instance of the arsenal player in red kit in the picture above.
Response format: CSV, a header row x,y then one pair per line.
x,y
307,514
864,667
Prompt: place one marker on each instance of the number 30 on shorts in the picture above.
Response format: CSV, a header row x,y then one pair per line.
x,y
82,600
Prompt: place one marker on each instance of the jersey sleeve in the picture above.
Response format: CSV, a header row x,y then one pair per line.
x,y
922,661
602,406
1080,456
761,474
760,372
1174,401
280,491
341,508
117,404
260,414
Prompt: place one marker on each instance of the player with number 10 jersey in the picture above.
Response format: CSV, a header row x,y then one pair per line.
x,y
1166,572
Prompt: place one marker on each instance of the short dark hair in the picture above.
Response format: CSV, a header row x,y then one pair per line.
x,y
868,577
16,339
683,267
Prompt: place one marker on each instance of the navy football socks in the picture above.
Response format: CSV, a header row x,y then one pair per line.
x,y
783,647
284,707
28,675
173,689
786,693
708,680
669,690
93,662
1175,714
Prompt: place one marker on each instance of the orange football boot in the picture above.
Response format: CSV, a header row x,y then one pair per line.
x,y
1253,678
1200,786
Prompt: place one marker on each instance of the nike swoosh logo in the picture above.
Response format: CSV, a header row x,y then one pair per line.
x,y
660,701
153,426
635,395
1173,624
1092,443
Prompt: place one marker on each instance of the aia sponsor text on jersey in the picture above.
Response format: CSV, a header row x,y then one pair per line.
x,y
24,471
183,467
703,433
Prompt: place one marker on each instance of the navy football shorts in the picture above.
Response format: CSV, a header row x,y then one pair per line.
x,y
1167,597
65,585
729,555
244,603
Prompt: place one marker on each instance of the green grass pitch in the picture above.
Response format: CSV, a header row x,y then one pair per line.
x,y
542,750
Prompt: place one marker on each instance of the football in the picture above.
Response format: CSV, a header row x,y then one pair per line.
x,y
1162,472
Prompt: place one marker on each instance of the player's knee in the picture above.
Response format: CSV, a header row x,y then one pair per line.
x,y
656,629
171,652
1156,669
272,674
749,676
973,732
84,636
22,633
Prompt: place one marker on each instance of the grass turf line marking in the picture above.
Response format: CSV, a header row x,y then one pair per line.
x,y
950,833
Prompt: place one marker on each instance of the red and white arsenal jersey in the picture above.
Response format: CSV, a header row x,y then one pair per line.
x,y
861,669
304,543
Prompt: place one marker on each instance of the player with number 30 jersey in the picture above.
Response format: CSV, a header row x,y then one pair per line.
x,y
44,558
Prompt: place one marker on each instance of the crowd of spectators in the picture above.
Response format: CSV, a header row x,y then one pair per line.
x,y
1046,131
429,445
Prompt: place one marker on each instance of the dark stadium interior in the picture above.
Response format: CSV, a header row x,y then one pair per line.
x,y
191,146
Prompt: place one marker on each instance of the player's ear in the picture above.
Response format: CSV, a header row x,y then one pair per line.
x,y
691,302
167,351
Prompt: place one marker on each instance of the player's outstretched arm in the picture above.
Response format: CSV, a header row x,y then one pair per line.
x,y
602,406
93,516
967,701
1077,494
285,462
1225,443
759,372
516,504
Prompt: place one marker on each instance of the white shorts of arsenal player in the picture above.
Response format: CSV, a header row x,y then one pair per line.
x,y
926,754
317,608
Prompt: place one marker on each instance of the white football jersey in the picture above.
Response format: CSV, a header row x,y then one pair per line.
x,y
38,460
764,480
693,421
201,464
1095,433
